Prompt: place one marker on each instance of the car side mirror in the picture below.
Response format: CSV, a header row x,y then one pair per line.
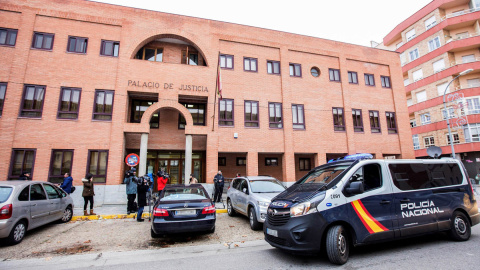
x,y
355,188
245,191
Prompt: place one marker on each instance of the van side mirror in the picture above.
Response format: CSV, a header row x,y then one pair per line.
x,y
355,188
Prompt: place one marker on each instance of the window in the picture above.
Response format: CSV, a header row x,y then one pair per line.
x,y
60,163
403,58
22,162
462,35
417,75
385,81
369,80
251,113
295,70
409,102
271,161
450,113
425,118
69,103
315,71
406,82
391,122
241,161
416,142
429,141
250,64
434,44
413,123
8,37
334,74
413,54
472,132
410,34
273,67
225,113
197,110
473,105
32,101
304,164
473,82
226,61
338,121
430,22
357,120
222,161
150,54
77,44
371,176
441,89
352,77
103,106
374,122
110,48
438,65
24,195
275,115
52,193
400,44
468,58
456,139
42,41
298,116
137,110
97,165
37,193
3,90
413,176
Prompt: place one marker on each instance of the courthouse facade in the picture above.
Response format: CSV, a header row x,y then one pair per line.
x,y
83,84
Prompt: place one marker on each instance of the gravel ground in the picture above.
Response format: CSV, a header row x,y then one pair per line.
x,y
120,235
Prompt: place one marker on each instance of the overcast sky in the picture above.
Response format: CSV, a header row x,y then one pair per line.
x,y
352,21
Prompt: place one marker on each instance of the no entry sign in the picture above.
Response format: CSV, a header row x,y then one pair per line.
x,y
132,160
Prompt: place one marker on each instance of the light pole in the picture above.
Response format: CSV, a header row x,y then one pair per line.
x,y
446,112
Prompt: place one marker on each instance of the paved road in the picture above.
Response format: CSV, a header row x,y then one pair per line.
x,y
430,252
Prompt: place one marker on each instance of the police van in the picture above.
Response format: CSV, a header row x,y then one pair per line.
x,y
347,203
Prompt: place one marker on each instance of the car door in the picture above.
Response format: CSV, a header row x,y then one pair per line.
x,y
39,206
54,202
372,211
242,196
233,192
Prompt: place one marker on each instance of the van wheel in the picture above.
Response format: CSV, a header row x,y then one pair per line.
x,y
231,212
460,230
252,216
337,245
18,233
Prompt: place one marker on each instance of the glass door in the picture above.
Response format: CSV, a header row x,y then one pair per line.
x,y
174,171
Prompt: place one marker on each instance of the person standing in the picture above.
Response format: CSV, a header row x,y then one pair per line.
x,y
25,176
219,182
88,193
161,181
67,183
130,181
142,190
193,180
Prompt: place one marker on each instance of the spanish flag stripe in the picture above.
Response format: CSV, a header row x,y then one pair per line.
x,y
366,218
363,221
372,218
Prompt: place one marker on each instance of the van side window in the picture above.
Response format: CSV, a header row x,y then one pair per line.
x,y
421,176
445,175
370,175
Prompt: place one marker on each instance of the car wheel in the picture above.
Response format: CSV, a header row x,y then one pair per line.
x,y
231,212
252,216
67,215
461,229
337,245
18,233
154,234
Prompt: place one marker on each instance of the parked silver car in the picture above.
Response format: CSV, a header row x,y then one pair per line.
x,y
251,196
25,205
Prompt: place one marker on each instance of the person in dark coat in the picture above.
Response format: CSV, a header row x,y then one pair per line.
x,y
88,193
219,182
67,183
142,190
25,176
131,188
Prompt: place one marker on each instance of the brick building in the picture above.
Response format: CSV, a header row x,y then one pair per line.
x,y
85,83
436,44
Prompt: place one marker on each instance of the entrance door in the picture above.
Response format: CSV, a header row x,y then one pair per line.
x,y
174,171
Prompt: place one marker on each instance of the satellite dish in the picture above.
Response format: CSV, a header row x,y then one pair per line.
x,y
434,151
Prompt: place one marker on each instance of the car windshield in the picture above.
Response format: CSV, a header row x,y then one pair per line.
x,y
266,186
184,194
324,175
5,193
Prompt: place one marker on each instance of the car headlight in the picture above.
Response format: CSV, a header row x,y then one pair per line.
x,y
306,208
264,204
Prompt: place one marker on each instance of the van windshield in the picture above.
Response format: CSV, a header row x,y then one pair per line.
x,y
324,175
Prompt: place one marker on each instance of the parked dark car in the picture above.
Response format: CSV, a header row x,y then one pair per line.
x,y
182,209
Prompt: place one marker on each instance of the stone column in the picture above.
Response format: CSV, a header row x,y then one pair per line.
x,y
188,158
142,166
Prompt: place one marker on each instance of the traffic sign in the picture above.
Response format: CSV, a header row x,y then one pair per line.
x,y
132,160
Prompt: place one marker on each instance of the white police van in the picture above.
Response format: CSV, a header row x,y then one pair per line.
x,y
354,202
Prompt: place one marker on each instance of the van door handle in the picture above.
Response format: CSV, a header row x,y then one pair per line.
x,y
405,200
384,202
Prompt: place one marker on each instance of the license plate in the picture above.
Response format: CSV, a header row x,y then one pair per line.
x,y
185,212
272,232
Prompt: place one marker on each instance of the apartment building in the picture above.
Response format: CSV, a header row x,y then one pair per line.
x,y
83,84
435,45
